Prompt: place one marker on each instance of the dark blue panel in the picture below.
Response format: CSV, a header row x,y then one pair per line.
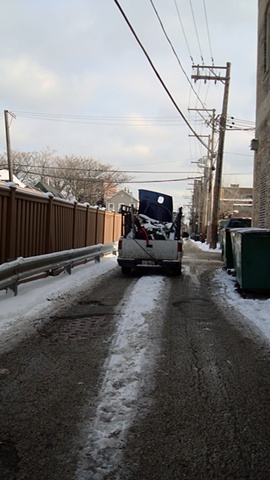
x,y
156,205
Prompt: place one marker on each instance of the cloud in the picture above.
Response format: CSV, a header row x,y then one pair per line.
x,y
80,58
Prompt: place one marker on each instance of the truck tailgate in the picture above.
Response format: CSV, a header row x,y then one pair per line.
x,y
157,249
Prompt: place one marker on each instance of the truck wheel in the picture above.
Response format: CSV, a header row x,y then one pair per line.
x,y
126,270
177,271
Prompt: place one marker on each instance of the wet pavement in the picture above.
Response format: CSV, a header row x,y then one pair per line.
x,y
203,415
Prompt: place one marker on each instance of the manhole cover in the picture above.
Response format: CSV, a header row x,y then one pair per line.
x,y
81,328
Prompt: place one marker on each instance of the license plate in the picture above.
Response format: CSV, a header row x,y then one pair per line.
x,y
148,262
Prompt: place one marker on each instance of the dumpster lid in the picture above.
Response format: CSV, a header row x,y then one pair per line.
x,y
250,231
238,222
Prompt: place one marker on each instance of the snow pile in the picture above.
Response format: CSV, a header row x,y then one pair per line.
x,y
40,298
145,226
127,369
255,311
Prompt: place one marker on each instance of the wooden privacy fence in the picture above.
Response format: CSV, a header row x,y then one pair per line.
x,y
35,224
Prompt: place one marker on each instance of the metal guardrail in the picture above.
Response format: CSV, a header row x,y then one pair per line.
x,y
26,269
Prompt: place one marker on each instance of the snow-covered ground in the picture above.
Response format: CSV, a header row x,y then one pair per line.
x,y
255,312
41,297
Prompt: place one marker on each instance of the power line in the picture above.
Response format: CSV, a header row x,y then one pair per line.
x,y
181,23
175,53
97,180
98,170
158,75
233,123
196,30
207,26
138,121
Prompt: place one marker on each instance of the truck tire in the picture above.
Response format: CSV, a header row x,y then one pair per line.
x,y
126,270
177,271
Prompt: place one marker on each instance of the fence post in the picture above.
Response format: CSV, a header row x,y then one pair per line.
x,y
86,225
49,229
74,224
104,229
114,222
12,222
96,232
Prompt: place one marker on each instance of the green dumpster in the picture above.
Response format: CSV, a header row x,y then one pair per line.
x,y
234,222
251,256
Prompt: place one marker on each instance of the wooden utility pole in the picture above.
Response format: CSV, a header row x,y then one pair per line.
x,y
209,175
212,75
9,155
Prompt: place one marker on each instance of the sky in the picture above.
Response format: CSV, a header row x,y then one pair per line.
x,y
80,84
133,349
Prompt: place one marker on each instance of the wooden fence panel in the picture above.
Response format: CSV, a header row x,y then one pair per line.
x,y
62,226
4,199
109,227
34,224
100,219
117,227
80,227
91,227
30,225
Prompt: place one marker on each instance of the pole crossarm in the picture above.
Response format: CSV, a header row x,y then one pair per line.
x,y
211,75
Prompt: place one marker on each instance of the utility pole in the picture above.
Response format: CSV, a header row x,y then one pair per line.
x,y
209,176
9,156
201,186
212,75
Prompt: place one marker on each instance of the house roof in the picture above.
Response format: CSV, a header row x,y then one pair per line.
x,y
44,187
4,176
119,193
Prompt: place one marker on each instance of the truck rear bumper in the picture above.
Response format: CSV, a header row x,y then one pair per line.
x,y
132,263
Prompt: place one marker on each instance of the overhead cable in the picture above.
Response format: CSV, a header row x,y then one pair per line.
x,y
207,26
97,180
96,170
196,30
129,121
158,75
237,124
181,23
174,51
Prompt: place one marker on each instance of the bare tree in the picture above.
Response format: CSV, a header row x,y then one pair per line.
x,y
84,179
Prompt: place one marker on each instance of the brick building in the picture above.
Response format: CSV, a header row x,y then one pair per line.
x,y
235,201
261,144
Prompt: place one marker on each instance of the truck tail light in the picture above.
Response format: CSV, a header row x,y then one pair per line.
x,y
179,247
120,245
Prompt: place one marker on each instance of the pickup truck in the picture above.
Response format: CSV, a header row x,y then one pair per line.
x,y
151,236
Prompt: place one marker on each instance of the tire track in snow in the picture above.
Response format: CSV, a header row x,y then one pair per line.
x,y
129,365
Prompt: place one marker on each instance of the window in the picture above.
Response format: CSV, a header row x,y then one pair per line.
x,y
111,207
